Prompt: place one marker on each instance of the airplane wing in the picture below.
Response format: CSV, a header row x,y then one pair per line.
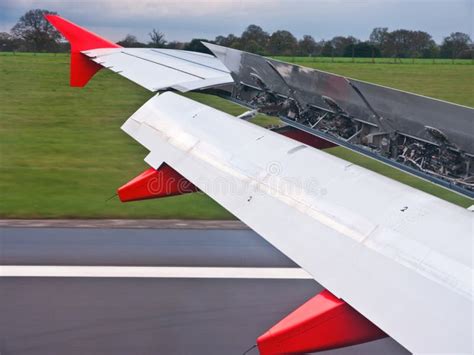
x,y
426,137
158,69
391,256
399,256
404,112
154,69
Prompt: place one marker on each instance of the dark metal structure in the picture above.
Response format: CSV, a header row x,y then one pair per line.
x,y
427,137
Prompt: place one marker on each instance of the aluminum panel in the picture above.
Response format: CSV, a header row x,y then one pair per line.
x,y
409,113
159,69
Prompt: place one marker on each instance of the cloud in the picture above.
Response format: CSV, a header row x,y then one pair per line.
x,y
120,9
186,19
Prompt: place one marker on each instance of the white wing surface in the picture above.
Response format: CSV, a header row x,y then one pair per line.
x,y
159,69
401,257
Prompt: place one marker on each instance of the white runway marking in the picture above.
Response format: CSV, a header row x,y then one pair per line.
x,y
153,272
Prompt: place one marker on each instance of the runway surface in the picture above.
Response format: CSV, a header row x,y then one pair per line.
x,y
193,310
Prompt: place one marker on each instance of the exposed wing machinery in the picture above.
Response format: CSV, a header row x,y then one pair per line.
x,y
384,123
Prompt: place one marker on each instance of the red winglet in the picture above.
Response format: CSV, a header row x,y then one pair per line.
x,y
324,322
82,69
163,182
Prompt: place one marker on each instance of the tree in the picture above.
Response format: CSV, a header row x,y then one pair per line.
x,y
362,50
36,31
157,39
403,43
175,45
131,41
253,47
398,44
420,43
254,39
307,46
227,41
339,43
196,46
282,43
7,42
379,37
455,45
328,49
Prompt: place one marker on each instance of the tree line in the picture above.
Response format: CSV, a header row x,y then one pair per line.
x,y
33,33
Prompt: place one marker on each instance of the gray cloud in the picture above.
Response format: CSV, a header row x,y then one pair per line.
x,y
186,19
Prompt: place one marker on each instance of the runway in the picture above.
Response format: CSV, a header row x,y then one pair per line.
x,y
146,291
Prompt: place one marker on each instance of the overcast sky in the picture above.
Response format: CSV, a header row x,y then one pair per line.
x,y
185,19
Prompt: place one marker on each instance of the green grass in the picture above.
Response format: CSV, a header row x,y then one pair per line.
x,y
429,61
62,153
308,60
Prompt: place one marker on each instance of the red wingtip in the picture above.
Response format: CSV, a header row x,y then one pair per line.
x,y
82,69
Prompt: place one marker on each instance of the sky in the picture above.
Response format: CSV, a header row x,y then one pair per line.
x,y
183,20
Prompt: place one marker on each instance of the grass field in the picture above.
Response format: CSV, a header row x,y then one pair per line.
x,y
62,153
429,61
